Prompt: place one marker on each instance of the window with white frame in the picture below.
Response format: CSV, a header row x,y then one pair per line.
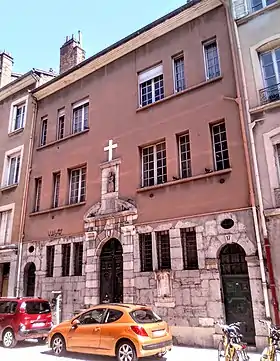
x,y
80,117
38,192
179,73
270,62
44,132
151,86
6,215
60,124
77,191
220,146
211,59
56,189
18,114
154,169
260,4
12,167
185,155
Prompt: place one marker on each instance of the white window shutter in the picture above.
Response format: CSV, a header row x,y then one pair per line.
x,y
239,8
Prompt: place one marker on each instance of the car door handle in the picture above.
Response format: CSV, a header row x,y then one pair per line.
x,y
97,329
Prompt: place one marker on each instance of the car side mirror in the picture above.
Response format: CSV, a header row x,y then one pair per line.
x,y
75,323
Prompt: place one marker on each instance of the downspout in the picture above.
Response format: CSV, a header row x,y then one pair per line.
x,y
25,193
237,59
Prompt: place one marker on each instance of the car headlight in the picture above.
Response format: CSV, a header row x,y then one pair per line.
x,y
22,327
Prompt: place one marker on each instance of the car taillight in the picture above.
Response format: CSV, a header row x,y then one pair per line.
x,y
244,346
140,331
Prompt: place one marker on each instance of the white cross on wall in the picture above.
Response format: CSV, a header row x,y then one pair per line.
x,y
109,149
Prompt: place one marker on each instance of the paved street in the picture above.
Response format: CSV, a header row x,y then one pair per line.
x,y
31,352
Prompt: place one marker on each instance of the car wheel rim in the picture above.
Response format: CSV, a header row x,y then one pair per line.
x,y
8,338
126,353
57,346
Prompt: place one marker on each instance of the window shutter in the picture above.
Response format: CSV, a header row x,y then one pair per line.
x,y
22,116
13,125
239,9
150,74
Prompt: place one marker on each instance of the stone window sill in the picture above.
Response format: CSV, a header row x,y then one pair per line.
x,y
58,141
185,180
267,106
9,187
50,210
14,132
178,94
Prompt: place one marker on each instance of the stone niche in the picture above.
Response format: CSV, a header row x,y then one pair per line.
x,y
164,289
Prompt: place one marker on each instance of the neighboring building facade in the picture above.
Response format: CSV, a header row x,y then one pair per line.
x,y
259,37
139,187
15,130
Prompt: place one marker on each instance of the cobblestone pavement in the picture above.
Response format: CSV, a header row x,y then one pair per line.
x,y
29,351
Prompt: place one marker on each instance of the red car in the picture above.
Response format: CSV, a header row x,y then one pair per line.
x,y
23,318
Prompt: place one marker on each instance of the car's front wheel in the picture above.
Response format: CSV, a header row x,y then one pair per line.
x,y
8,338
126,352
58,345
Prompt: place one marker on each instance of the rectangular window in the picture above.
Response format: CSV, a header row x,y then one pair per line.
x,y
220,146
38,190
211,60
163,250
185,155
151,87
18,116
146,252
13,169
270,62
44,130
154,169
78,259
66,252
50,261
189,247
80,118
56,189
5,227
179,73
260,4
77,192
60,125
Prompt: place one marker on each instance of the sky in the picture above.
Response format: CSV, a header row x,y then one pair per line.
x,y
33,31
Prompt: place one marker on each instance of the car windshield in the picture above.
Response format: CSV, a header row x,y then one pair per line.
x,y
35,307
8,307
145,315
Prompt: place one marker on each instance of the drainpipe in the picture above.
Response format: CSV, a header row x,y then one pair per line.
x,y
237,60
25,193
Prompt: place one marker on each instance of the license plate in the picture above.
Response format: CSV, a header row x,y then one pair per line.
x,y
159,333
38,324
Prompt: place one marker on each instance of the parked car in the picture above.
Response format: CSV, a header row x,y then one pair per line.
x,y
122,330
24,318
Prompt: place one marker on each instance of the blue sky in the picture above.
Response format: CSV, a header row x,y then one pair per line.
x,y
33,30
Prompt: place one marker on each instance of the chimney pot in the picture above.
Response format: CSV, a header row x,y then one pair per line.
x,y
6,66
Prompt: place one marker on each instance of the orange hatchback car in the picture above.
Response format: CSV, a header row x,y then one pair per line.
x,y
122,330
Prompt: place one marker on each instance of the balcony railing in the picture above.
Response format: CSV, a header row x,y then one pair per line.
x,y
270,94
277,197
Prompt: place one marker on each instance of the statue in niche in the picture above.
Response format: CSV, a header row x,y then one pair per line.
x,y
111,183
163,284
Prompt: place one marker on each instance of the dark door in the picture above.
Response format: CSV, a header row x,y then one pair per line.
x,y
111,272
30,278
236,289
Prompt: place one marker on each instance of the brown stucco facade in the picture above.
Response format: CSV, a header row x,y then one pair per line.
x,y
189,298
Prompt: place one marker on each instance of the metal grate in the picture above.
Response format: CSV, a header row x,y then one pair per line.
x,y
185,156
212,63
270,94
232,260
50,261
220,146
80,118
66,252
152,90
189,247
154,169
61,127
44,130
78,259
56,189
163,250
179,73
38,190
146,252
77,191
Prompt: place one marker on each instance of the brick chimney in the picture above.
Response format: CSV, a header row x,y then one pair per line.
x,y
71,53
6,65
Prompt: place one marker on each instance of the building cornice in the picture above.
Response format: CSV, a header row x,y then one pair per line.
x,y
18,85
127,45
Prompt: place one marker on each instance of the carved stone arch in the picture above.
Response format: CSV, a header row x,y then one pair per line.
x,y
100,244
248,246
92,212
